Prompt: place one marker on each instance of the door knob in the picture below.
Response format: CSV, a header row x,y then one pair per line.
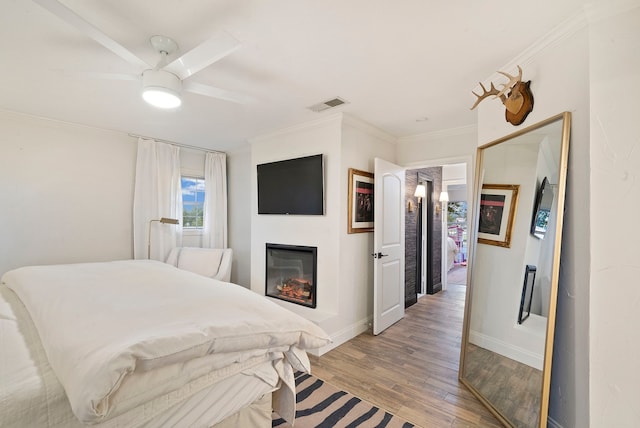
x,y
379,255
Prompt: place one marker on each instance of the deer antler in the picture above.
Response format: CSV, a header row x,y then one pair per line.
x,y
518,103
513,80
492,91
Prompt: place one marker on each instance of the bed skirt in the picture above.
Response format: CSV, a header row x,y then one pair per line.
x,y
257,415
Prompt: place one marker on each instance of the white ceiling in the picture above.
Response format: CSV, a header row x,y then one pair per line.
x,y
395,61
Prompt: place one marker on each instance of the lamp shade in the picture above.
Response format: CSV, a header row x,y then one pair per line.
x,y
166,220
444,196
421,191
161,89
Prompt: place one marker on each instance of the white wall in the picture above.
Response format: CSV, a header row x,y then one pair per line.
x,y
453,149
446,146
239,214
361,143
344,295
322,136
615,199
559,71
66,192
454,182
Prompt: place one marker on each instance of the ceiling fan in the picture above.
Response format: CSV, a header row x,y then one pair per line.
x,y
162,84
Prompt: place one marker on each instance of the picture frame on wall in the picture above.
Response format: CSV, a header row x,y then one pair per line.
x,y
360,218
498,203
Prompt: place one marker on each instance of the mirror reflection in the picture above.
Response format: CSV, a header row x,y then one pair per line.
x,y
510,310
542,210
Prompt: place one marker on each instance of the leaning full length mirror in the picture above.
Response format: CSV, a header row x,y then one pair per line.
x,y
513,279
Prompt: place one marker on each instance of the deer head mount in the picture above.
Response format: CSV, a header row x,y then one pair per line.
x,y
515,95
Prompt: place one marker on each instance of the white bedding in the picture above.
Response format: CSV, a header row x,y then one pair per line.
x,y
121,334
31,396
452,250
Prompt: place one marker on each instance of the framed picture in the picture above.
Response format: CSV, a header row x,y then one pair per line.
x,y
527,293
360,201
498,203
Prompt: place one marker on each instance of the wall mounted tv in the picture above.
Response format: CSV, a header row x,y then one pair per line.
x,y
292,186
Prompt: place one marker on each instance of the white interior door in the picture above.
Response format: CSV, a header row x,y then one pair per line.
x,y
388,236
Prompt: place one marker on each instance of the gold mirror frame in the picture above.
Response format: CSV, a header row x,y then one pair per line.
x,y
466,376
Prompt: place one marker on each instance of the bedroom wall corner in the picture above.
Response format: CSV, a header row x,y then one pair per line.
x,y
361,144
239,213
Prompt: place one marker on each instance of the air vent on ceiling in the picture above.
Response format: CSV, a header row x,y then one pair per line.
x,y
334,102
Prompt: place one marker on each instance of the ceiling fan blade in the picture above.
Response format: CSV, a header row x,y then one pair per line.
x,y
222,94
75,20
203,55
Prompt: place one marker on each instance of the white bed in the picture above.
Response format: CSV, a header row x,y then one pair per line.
x,y
143,344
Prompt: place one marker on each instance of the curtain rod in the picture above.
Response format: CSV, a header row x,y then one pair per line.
x,y
186,146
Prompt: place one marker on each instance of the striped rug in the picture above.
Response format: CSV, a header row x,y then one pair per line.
x,y
322,405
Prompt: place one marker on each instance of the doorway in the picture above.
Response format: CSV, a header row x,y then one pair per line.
x,y
457,242
455,225
435,239
423,233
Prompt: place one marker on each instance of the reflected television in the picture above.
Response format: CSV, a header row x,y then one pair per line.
x,y
542,209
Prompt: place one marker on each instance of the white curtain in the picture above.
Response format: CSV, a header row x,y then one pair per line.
x,y
157,194
215,201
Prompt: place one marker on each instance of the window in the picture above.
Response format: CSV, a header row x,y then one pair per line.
x,y
192,202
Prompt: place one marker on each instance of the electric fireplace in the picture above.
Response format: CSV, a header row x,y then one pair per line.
x,y
291,273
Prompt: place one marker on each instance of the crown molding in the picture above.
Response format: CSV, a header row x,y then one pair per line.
x,y
340,117
562,31
304,126
31,116
368,128
589,14
451,132
245,148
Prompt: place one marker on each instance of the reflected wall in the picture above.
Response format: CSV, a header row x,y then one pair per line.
x,y
505,359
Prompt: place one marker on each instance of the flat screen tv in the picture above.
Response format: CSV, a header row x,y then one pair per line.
x,y
292,186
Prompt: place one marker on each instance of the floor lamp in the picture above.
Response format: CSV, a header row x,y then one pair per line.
x,y
163,220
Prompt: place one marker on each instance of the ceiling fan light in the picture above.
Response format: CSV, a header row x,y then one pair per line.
x,y
161,89
160,97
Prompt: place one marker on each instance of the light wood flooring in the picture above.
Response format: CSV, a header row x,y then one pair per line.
x,y
411,369
512,387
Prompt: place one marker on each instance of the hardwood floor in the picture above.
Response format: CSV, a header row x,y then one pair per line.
x,y
512,387
411,369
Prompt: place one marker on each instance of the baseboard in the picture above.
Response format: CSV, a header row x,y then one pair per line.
x,y
507,349
343,336
435,288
